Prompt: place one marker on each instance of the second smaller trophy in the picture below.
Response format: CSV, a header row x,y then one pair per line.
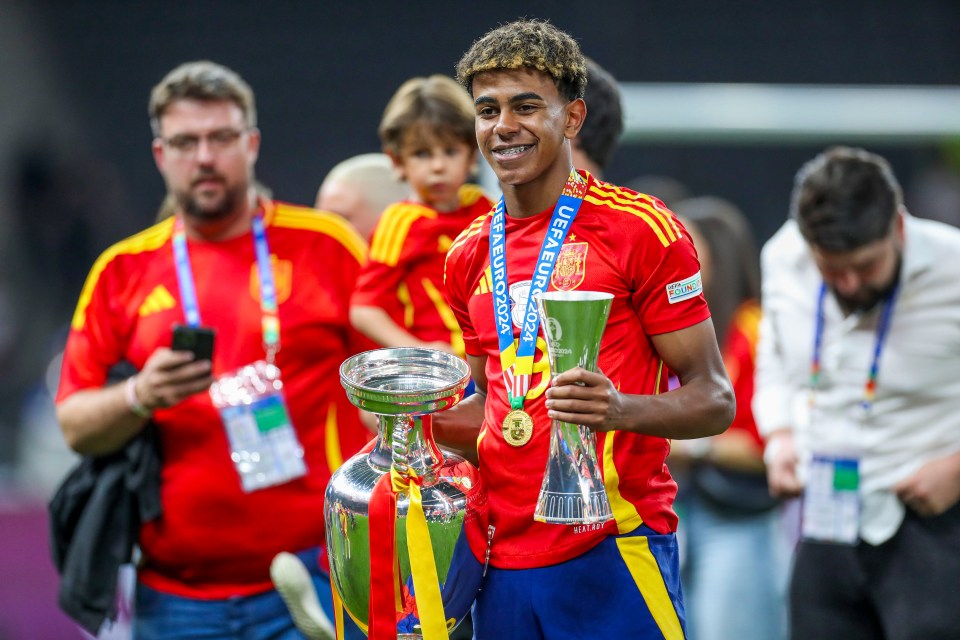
x,y
572,491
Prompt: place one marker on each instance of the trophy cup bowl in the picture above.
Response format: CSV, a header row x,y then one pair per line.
x,y
572,491
403,386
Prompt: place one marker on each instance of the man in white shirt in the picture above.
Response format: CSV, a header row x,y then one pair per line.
x,y
858,395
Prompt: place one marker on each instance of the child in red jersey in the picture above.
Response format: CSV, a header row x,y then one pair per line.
x,y
427,130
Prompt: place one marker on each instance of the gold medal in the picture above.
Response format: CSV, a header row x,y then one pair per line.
x,y
517,428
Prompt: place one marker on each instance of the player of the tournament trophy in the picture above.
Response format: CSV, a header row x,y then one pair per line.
x,y
572,491
397,513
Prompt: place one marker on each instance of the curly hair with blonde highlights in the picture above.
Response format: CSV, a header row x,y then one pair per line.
x,y
527,43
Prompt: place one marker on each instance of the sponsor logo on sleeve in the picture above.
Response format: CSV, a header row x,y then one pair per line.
x,y
685,289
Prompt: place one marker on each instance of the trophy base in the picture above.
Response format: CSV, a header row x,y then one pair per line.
x,y
564,508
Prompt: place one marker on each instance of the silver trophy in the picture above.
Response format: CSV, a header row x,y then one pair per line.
x,y
572,491
402,387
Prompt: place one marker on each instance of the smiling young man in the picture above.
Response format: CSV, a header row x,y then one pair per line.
x,y
618,579
274,282
858,393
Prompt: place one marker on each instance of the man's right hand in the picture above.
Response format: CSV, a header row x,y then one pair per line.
x,y
781,460
170,377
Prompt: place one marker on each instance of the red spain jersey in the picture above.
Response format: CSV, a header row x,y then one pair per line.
x,y
623,243
739,357
213,540
404,272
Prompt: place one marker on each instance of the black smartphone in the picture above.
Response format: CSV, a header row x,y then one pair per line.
x,y
199,340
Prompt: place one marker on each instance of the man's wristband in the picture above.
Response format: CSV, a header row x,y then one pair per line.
x,y
133,402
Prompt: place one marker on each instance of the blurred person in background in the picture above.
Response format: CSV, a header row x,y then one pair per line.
x,y
858,395
360,188
273,280
669,190
934,192
427,131
733,553
594,146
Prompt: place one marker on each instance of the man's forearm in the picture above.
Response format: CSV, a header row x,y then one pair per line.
x,y
98,421
696,410
459,427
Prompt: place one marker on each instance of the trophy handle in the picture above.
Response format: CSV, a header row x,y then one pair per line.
x,y
399,448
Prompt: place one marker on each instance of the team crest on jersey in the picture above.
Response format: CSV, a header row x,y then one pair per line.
x,y
685,289
519,292
282,279
571,266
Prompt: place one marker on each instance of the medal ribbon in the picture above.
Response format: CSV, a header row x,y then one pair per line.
x,y
385,586
270,319
516,377
883,327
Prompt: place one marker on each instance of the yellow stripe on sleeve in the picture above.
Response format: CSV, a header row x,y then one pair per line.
x,y
403,295
391,233
645,203
149,239
640,214
660,220
469,194
385,231
472,229
324,222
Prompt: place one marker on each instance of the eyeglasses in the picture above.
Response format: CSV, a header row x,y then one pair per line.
x,y
219,140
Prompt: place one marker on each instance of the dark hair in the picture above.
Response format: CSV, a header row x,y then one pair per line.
x,y
527,43
734,259
201,80
601,130
665,188
845,198
437,102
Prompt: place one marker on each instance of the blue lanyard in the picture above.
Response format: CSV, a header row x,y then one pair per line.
x,y
517,375
883,328
270,321
181,258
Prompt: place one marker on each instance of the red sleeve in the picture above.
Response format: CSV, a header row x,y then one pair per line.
x,y
668,288
350,271
393,242
97,332
457,281
739,355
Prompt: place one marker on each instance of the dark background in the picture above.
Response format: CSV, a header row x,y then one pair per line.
x,y
76,172
323,72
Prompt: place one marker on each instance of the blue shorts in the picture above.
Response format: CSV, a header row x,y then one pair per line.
x,y
628,586
164,616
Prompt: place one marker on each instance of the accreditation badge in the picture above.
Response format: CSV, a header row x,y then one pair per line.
x,y
517,428
264,446
831,500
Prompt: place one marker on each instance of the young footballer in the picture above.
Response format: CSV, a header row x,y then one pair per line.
x,y
557,228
